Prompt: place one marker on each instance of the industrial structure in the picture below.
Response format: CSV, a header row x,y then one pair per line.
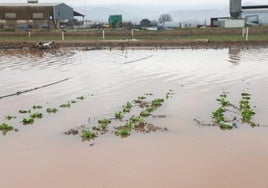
x,y
242,15
34,15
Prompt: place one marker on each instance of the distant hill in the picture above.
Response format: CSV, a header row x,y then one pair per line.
x,y
135,13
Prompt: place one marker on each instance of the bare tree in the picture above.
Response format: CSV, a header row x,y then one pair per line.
x,y
164,18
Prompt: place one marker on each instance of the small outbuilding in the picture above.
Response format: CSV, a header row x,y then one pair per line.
x,y
35,15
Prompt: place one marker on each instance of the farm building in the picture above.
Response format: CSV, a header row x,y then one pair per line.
x,y
243,15
35,15
255,14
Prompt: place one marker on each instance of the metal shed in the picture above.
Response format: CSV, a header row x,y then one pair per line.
x,y
34,15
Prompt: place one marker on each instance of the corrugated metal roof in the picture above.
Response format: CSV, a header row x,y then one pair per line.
x,y
29,4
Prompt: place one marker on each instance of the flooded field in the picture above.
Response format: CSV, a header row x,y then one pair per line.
x,y
189,149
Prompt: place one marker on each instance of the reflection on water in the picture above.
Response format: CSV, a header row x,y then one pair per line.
x,y
41,156
234,55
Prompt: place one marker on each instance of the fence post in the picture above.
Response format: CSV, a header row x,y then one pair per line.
x,y
247,34
132,33
103,34
62,35
29,34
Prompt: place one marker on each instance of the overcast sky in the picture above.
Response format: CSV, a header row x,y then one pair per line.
x,y
180,3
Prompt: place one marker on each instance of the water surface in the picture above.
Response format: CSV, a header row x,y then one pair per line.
x,y
187,155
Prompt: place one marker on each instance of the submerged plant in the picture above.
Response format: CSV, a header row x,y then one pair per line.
x,y
68,105
141,97
136,120
36,115
126,110
130,125
51,110
28,121
24,111
104,121
87,135
5,128
123,132
37,107
10,117
157,102
151,109
218,115
127,107
101,127
244,104
145,113
119,115
246,111
247,114
225,126
80,98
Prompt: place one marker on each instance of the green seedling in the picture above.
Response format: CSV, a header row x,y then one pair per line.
x,y
104,122
24,111
80,98
244,104
5,128
129,105
51,110
157,102
119,115
36,115
137,101
28,121
141,97
253,124
218,114
223,102
126,110
151,109
247,114
73,101
225,126
130,125
10,117
245,94
87,135
101,127
135,120
68,105
145,113
37,107
123,132
223,95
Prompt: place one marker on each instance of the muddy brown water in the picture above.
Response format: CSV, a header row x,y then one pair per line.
x,y
187,155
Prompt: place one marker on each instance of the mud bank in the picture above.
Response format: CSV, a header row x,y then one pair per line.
x,y
139,44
